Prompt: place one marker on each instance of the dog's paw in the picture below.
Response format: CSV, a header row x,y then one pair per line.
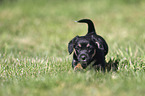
x,y
78,67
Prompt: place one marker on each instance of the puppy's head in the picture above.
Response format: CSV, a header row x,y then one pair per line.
x,y
84,49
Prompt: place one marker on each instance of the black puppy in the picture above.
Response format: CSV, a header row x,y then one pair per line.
x,y
90,49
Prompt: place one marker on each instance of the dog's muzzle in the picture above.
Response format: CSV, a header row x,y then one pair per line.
x,y
83,58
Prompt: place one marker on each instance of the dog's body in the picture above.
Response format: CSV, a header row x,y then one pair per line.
x,y
90,49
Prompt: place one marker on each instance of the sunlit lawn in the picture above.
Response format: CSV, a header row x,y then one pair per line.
x,y
33,47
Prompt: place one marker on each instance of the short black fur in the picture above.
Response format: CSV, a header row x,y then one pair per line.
x,y
88,49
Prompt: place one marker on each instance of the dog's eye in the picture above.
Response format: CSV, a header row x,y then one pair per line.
x,y
78,47
89,49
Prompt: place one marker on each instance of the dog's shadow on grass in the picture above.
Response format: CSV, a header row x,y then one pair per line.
x,y
112,65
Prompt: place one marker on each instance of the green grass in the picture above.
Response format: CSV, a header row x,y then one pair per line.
x,y
33,47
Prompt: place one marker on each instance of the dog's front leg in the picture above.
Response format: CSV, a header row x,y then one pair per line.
x,y
100,65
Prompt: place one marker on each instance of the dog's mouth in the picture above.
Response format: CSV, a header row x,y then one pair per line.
x,y
83,63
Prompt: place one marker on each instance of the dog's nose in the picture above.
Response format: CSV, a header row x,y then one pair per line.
x,y
83,57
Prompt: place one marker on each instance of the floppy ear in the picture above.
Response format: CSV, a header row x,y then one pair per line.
x,y
71,44
97,42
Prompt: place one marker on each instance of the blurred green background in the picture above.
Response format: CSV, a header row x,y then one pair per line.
x,y
33,47
39,27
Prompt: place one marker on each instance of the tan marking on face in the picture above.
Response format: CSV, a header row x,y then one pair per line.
x,y
94,53
75,52
88,45
80,45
